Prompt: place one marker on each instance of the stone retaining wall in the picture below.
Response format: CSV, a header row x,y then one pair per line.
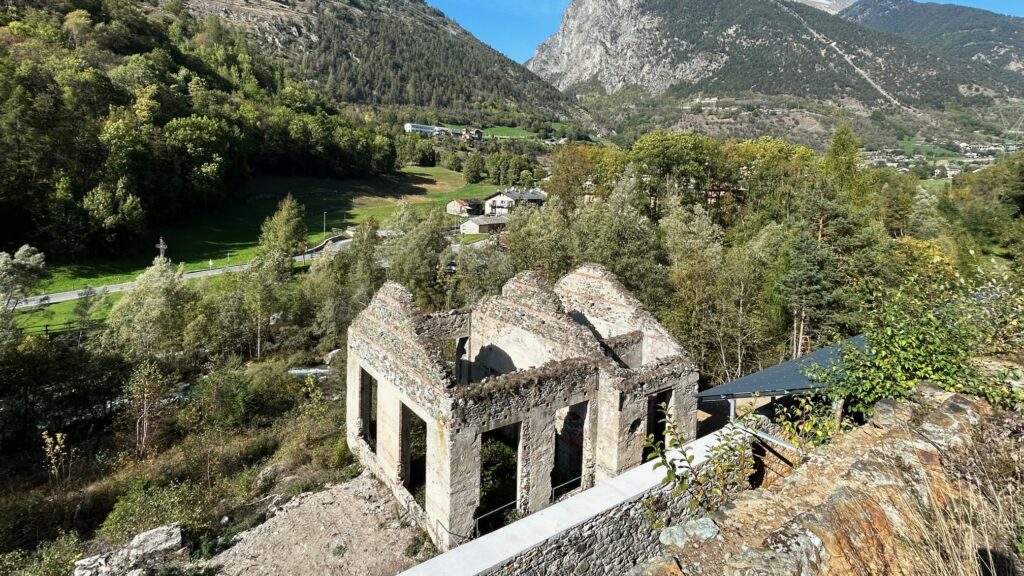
x,y
603,530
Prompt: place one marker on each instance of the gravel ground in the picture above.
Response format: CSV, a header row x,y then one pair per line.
x,y
352,528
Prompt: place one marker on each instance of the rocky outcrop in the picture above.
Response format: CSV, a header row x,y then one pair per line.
x,y
877,501
146,552
830,6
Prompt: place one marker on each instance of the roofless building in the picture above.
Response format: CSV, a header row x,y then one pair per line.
x,y
568,377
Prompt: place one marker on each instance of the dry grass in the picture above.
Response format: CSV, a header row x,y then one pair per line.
x,y
978,533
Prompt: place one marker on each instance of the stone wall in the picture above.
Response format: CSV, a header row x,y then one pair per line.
x,y
607,544
603,530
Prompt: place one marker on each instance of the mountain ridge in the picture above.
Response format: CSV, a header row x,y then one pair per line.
x,y
393,53
951,30
764,46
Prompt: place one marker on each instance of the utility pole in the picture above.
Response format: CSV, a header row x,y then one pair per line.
x,y
325,225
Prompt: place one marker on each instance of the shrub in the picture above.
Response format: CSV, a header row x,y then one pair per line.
x,y
711,485
144,507
15,532
54,558
333,455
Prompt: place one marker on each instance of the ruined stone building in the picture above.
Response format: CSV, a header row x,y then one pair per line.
x,y
570,376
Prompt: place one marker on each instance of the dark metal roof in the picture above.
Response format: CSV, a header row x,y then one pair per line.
x,y
782,379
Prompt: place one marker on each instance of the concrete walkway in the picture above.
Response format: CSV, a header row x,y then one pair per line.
x,y
56,297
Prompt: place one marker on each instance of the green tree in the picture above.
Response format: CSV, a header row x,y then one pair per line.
x,y
414,253
806,289
263,286
149,320
284,233
474,168
147,392
926,222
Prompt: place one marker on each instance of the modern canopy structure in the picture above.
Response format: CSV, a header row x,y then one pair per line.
x,y
786,379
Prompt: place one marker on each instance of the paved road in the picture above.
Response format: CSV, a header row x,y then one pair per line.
x,y
111,288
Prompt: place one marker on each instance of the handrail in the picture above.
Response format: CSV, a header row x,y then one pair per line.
x,y
476,521
554,488
460,539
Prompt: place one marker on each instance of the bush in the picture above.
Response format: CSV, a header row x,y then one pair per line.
x,y
15,532
333,455
55,558
145,507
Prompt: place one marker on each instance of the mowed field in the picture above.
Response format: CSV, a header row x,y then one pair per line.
x,y
230,233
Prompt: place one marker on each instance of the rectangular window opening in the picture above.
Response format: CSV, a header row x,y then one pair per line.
x,y
368,408
414,451
570,430
499,479
656,405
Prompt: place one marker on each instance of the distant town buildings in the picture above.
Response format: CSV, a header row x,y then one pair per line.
x,y
960,157
444,131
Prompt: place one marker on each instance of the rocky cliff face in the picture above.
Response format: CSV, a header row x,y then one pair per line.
x,y
929,487
830,6
612,42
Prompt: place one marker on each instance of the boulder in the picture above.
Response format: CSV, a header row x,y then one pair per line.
x,y
890,413
147,550
695,531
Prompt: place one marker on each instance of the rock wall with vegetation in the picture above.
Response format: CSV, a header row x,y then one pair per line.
x,y
931,486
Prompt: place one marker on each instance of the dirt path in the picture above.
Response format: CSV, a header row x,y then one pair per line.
x,y
352,528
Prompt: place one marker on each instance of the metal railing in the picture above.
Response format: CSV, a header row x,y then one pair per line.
x,y
458,539
554,489
476,521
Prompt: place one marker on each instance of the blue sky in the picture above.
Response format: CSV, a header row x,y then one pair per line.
x,y
516,27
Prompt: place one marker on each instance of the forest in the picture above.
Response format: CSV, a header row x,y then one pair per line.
x,y
114,119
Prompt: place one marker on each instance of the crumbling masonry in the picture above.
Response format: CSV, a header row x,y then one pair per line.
x,y
572,375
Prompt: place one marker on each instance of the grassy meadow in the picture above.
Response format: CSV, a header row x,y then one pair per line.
x,y
229,234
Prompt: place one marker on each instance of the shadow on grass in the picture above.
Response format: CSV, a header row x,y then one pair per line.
x,y
228,233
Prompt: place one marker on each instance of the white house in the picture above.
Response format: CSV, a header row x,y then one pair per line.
x,y
484,225
502,202
465,207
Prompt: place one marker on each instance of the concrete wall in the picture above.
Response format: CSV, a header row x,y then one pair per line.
x,y
599,531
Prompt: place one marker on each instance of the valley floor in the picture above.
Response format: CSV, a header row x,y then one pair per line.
x,y
353,528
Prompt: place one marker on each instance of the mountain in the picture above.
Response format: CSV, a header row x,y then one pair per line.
x,y
946,29
629,58
393,53
830,6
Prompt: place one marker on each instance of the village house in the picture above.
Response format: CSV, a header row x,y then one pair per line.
x,y
484,225
465,207
420,129
572,377
502,202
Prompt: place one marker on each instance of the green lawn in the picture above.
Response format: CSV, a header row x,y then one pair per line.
x,y
471,238
59,314
934,185
505,132
913,146
229,234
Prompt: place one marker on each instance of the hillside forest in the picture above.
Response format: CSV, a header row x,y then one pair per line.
x,y
176,406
